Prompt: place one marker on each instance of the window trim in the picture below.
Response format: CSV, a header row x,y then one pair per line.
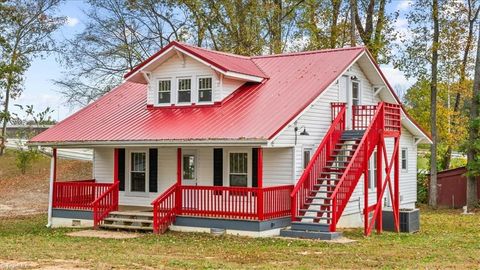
x,y
157,87
198,89
128,184
249,169
359,83
304,149
406,159
178,90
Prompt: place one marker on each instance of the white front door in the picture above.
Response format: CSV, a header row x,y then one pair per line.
x,y
189,168
138,172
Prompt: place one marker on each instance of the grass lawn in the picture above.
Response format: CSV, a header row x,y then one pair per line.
x,y
447,240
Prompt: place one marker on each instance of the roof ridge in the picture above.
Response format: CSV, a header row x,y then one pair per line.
x,y
309,52
217,52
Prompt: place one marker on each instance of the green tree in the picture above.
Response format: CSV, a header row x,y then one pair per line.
x,y
27,28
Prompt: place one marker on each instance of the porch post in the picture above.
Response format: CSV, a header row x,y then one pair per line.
x,y
379,185
260,204
179,181
365,191
396,183
53,178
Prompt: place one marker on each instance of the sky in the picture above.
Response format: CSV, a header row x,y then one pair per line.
x,y
41,92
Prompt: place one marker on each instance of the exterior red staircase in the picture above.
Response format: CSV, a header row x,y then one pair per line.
x,y
326,185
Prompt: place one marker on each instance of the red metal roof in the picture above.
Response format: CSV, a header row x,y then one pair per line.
x,y
223,61
255,111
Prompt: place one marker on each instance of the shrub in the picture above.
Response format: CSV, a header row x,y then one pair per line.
x,y
25,157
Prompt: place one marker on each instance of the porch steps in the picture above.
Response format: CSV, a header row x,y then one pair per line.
x,y
310,230
129,221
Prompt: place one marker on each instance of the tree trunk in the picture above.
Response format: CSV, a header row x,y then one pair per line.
x,y
472,154
433,108
353,7
334,25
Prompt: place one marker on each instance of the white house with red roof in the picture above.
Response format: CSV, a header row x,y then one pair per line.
x,y
195,139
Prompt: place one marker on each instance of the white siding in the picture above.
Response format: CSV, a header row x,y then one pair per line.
x,y
174,68
103,165
277,166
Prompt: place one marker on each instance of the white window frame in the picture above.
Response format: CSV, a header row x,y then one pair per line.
x,y
198,89
128,186
178,90
157,92
304,149
249,168
402,158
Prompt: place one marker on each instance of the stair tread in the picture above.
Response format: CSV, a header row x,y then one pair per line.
x,y
321,204
324,185
129,220
318,198
315,211
144,214
323,191
314,217
127,227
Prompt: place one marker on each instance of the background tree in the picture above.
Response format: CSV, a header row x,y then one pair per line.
x,y
473,152
119,34
27,28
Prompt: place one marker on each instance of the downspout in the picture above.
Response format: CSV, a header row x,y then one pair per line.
x,y
53,165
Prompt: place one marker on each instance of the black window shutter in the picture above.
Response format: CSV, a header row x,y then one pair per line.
x,y
218,167
254,167
152,169
121,169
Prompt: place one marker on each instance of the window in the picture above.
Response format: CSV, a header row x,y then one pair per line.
x,y
372,172
355,93
137,171
307,154
238,169
164,89
184,90
189,167
404,162
205,89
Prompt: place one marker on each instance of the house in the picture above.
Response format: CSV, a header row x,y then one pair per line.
x,y
196,139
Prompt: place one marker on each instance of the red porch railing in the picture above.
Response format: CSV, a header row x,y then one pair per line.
x,y
236,202
105,203
305,184
362,116
78,195
164,209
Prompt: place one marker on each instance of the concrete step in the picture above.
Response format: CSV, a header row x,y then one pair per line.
x,y
128,220
310,234
132,214
126,227
314,218
314,211
310,226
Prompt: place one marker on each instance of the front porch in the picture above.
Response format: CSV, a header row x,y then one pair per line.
x,y
95,201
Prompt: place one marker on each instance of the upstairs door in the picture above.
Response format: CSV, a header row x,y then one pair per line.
x,y
189,168
349,93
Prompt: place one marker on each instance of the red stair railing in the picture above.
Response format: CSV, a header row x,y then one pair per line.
x,y
315,167
165,209
359,160
104,204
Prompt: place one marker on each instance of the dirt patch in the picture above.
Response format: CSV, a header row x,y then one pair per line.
x,y
104,234
27,194
42,265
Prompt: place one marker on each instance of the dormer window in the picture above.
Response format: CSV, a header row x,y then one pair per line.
x,y
184,90
164,90
205,89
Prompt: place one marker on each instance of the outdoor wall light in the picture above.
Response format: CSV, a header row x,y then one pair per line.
x,y
354,78
303,133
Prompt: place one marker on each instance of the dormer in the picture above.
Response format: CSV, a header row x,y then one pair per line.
x,y
183,75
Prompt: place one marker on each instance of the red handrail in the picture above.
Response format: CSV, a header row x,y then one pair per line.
x,y
356,166
104,204
165,209
305,185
